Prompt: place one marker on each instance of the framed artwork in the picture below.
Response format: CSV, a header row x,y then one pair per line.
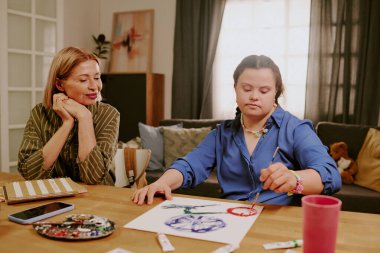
x,y
132,40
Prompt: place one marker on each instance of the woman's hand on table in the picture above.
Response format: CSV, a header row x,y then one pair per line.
x,y
148,192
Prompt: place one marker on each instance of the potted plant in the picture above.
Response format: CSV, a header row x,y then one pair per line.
x,y
101,49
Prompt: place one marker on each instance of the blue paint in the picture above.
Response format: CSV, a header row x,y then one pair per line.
x,y
195,223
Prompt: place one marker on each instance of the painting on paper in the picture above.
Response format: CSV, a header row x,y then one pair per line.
x,y
215,221
132,38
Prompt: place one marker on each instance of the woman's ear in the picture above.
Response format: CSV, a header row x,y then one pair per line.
x,y
58,85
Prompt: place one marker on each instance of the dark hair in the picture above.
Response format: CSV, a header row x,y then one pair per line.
x,y
260,62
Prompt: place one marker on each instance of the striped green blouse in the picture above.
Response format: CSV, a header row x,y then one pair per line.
x,y
42,125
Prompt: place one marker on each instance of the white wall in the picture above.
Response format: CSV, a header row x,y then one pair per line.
x,y
82,18
80,21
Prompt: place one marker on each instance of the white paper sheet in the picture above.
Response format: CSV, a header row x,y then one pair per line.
x,y
196,218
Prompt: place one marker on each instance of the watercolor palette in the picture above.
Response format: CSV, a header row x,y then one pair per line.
x,y
76,227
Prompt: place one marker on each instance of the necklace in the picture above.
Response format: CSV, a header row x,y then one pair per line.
x,y
256,133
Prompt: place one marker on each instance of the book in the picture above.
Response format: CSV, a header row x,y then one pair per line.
x,y
23,191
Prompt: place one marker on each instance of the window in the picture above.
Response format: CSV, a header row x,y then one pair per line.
x,y
275,28
33,33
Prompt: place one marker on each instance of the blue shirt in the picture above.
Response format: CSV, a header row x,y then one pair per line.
x,y
238,173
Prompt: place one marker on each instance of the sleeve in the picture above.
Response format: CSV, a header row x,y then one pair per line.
x,y
311,153
197,165
95,168
30,159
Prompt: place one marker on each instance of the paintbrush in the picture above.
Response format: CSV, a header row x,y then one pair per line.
x,y
261,185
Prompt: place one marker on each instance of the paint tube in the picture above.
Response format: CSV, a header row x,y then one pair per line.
x,y
226,249
164,242
283,245
291,251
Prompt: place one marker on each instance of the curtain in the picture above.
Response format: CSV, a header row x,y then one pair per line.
x,y
197,29
368,94
343,83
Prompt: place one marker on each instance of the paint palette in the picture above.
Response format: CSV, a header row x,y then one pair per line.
x,y
76,227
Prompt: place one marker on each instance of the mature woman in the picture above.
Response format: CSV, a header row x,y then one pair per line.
x,y
243,150
71,134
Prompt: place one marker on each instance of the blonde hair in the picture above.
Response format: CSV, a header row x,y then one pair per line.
x,y
63,63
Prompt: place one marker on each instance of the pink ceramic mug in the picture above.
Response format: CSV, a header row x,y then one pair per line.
x,y
320,223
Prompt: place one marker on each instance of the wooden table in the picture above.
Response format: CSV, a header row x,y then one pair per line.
x,y
358,232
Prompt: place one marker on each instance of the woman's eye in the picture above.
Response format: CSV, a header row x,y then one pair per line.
x,y
82,80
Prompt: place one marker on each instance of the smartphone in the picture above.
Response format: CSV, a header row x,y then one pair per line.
x,y
40,212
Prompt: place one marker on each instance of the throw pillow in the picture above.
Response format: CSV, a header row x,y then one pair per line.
x,y
151,138
132,143
369,161
179,141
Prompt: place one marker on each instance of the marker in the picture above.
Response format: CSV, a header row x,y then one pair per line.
x,y
164,242
283,245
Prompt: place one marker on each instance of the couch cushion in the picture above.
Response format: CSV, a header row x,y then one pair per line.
x,y
369,162
179,141
359,199
191,123
151,138
353,135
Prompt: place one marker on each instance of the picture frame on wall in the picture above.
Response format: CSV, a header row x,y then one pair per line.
x,y
132,42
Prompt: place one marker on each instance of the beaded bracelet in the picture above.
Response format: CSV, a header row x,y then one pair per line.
x,y
299,187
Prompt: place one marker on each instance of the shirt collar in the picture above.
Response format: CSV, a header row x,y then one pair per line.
x,y
276,116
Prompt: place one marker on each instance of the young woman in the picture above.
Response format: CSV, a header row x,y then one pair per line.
x,y
264,149
71,134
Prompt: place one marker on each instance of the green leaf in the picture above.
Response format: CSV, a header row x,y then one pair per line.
x,y
95,39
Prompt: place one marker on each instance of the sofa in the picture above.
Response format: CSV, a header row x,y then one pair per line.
x,y
354,197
